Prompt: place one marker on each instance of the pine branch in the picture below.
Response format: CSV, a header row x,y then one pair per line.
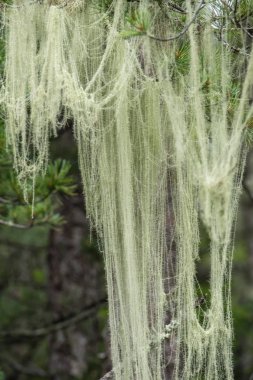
x,y
184,30
9,223
16,201
33,223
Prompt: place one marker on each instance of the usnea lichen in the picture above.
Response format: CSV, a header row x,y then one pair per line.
x,y
135,118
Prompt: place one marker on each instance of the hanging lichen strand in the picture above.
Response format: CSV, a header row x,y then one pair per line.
x,y
136,113
123,161
36,71
208,126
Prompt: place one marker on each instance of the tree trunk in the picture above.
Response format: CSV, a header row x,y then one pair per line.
x,y
76,280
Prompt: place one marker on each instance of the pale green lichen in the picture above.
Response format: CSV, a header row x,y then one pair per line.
x,y
135,116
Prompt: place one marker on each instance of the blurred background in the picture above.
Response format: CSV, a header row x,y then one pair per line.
x,y
53,305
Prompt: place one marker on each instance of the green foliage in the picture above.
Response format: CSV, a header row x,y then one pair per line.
x,y
58,179
139,22
182,57
58,182
245,7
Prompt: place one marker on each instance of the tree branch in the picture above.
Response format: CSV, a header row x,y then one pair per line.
x,y
18,202
175,7
63,324
17,225
234,49
184,30
33,223
234,19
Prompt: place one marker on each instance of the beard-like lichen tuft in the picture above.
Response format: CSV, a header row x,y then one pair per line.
x,y
138,119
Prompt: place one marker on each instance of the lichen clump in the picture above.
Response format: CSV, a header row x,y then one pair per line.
x,y
138,120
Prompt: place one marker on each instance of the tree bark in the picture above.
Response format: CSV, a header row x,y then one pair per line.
x,y
75,280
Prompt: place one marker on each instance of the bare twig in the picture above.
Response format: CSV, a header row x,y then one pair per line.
x,y
235,7
33,223
86,313
240,26
184,30
234,49
234,19
175,7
